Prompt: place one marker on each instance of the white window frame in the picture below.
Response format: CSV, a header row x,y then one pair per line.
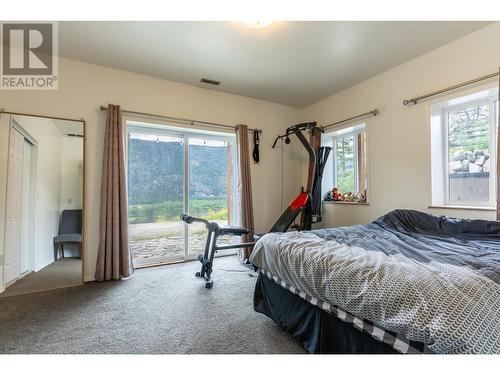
x,y
353,131
491,101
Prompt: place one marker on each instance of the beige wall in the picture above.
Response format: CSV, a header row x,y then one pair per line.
x,y
399,139
84,87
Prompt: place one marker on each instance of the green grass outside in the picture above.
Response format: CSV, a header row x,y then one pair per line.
x,y
208,208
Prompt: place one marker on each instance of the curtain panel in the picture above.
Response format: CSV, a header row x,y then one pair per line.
x,y
114,259
244,185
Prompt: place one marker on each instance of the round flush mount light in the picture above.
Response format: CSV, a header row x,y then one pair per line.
x,y
258,24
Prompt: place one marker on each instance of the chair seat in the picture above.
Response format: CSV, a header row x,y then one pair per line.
x,y
237,231
72,237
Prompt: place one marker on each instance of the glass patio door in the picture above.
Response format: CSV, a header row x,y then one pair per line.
x,y
210,187
155,196
170,173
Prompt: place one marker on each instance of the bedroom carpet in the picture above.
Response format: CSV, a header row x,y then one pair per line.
x,y
65,272
159,310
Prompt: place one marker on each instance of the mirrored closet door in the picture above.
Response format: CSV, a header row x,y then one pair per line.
x,y
41,203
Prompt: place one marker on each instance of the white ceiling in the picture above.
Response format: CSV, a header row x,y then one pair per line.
x,y
294,63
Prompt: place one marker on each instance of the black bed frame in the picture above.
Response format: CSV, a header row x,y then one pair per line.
x,y
314,328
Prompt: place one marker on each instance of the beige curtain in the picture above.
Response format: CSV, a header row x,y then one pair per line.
x,y
245,206
114,259
498,155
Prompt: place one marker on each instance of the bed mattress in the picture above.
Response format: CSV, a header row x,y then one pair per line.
x,y
429,279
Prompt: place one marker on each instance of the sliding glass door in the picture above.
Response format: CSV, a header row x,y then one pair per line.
x,y
155,197
171,172
210,189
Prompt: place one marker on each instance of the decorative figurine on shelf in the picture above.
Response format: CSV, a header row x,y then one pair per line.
x,y
328,197
362,197
351,197
333,195
336,194
348,197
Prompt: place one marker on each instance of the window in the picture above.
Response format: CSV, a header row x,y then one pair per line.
x,y
348,163
464,149
172,171
344,167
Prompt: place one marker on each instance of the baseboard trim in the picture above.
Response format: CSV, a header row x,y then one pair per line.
x,y
12,282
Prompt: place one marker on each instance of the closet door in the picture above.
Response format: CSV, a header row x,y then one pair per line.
x,y
26,231
13,206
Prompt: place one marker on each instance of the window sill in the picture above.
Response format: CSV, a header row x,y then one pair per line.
x,y
347,203
472,208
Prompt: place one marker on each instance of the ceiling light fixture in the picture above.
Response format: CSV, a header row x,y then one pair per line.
x,y
257,24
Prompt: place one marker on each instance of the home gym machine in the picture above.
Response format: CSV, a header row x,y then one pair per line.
x,y
307,203
318,156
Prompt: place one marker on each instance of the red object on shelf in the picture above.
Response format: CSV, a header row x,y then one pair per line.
x,y
336,194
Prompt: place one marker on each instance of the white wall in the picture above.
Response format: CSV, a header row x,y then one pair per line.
x,y
84,87
71,197
399,145
48,185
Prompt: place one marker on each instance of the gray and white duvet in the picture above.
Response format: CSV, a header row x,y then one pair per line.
x,y
432,279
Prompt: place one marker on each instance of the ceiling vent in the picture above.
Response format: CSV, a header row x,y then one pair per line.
x,y
210,81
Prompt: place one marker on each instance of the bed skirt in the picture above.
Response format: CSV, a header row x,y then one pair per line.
x,y
317,330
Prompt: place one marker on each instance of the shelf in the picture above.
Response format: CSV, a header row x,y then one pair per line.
x,y
347,203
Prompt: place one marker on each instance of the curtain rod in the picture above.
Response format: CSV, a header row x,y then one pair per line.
x,y
179,119
372,113
2,110
450,88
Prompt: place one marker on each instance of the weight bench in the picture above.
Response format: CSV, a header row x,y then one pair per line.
x,y
298,205
214,231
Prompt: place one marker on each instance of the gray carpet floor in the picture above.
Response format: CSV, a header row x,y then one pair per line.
x,y
159,310
65,272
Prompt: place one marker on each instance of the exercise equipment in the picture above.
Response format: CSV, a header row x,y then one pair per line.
x,y
318,157
307,203
214,231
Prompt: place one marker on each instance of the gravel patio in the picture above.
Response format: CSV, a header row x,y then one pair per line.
x,y
163,242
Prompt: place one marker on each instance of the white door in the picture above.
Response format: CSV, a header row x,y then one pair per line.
x,y
12,268
24,262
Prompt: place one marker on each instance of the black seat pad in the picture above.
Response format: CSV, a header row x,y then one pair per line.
x,y
237,231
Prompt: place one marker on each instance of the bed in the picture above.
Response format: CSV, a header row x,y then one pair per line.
x,y
409,282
